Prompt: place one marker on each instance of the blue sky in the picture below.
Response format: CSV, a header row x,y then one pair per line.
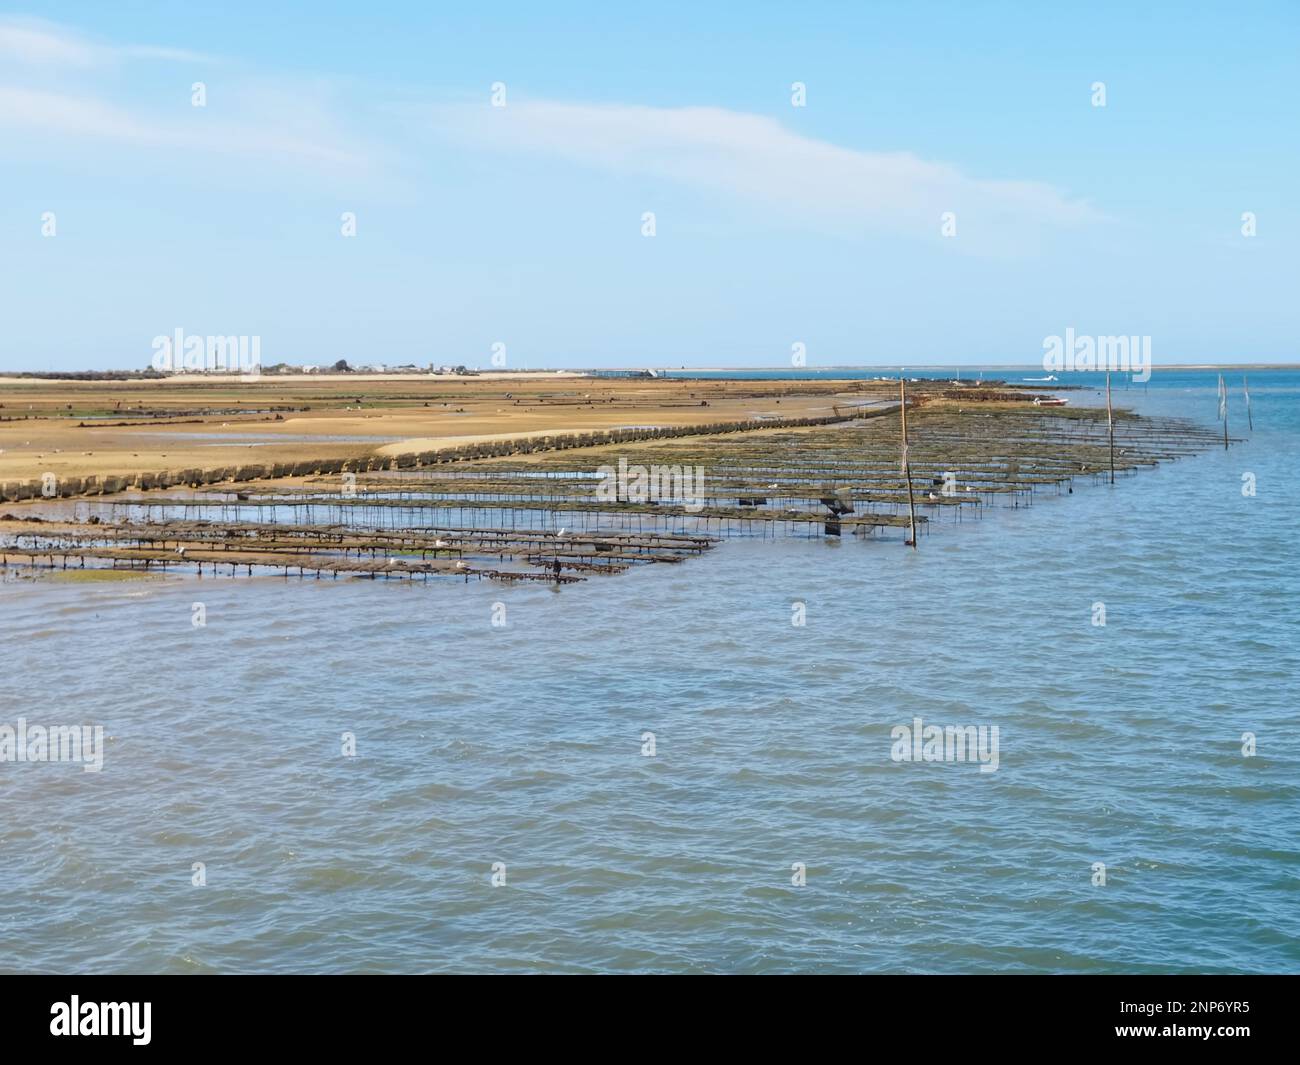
x,y
522,224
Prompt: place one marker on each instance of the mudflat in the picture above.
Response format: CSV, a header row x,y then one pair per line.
x,y
119,428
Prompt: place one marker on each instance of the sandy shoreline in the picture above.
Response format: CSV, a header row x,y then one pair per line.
x,y
121,428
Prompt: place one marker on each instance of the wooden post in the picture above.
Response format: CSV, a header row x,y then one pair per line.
x,y
1223,410
1245,387
1110,428
907,462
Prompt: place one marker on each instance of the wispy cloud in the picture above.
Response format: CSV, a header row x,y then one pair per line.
x,y
61,87
76,116
37,43
58,91
763,161
85,118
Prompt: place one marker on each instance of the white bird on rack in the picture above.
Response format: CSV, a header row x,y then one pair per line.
x,y
181,551
441,543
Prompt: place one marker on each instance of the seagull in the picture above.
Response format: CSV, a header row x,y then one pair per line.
x,y
181,551
440,543
561,532
773,485
461,565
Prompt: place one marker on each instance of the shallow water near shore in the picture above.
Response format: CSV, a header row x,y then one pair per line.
x,y
522,744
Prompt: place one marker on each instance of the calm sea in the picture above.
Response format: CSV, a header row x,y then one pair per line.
x,y
520,747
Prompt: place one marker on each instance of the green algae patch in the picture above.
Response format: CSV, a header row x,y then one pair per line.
x,y
99,576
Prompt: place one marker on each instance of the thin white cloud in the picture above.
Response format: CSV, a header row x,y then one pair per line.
x,y
76,116
61,90
37,43
759,159
167,55
79,118
740,157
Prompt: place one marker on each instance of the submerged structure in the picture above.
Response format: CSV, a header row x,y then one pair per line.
x,y
564,515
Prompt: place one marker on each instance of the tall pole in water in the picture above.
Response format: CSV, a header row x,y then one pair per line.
x,y
1110,428
907,462
1245,387
1223,410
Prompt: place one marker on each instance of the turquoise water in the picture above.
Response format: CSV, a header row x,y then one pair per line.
x,y
522,745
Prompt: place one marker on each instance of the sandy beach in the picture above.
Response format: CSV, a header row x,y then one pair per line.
x,y
120,428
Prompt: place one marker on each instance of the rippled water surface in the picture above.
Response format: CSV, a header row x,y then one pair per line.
x,y
522,745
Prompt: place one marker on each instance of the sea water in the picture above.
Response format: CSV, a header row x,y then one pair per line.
x,y
665,771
